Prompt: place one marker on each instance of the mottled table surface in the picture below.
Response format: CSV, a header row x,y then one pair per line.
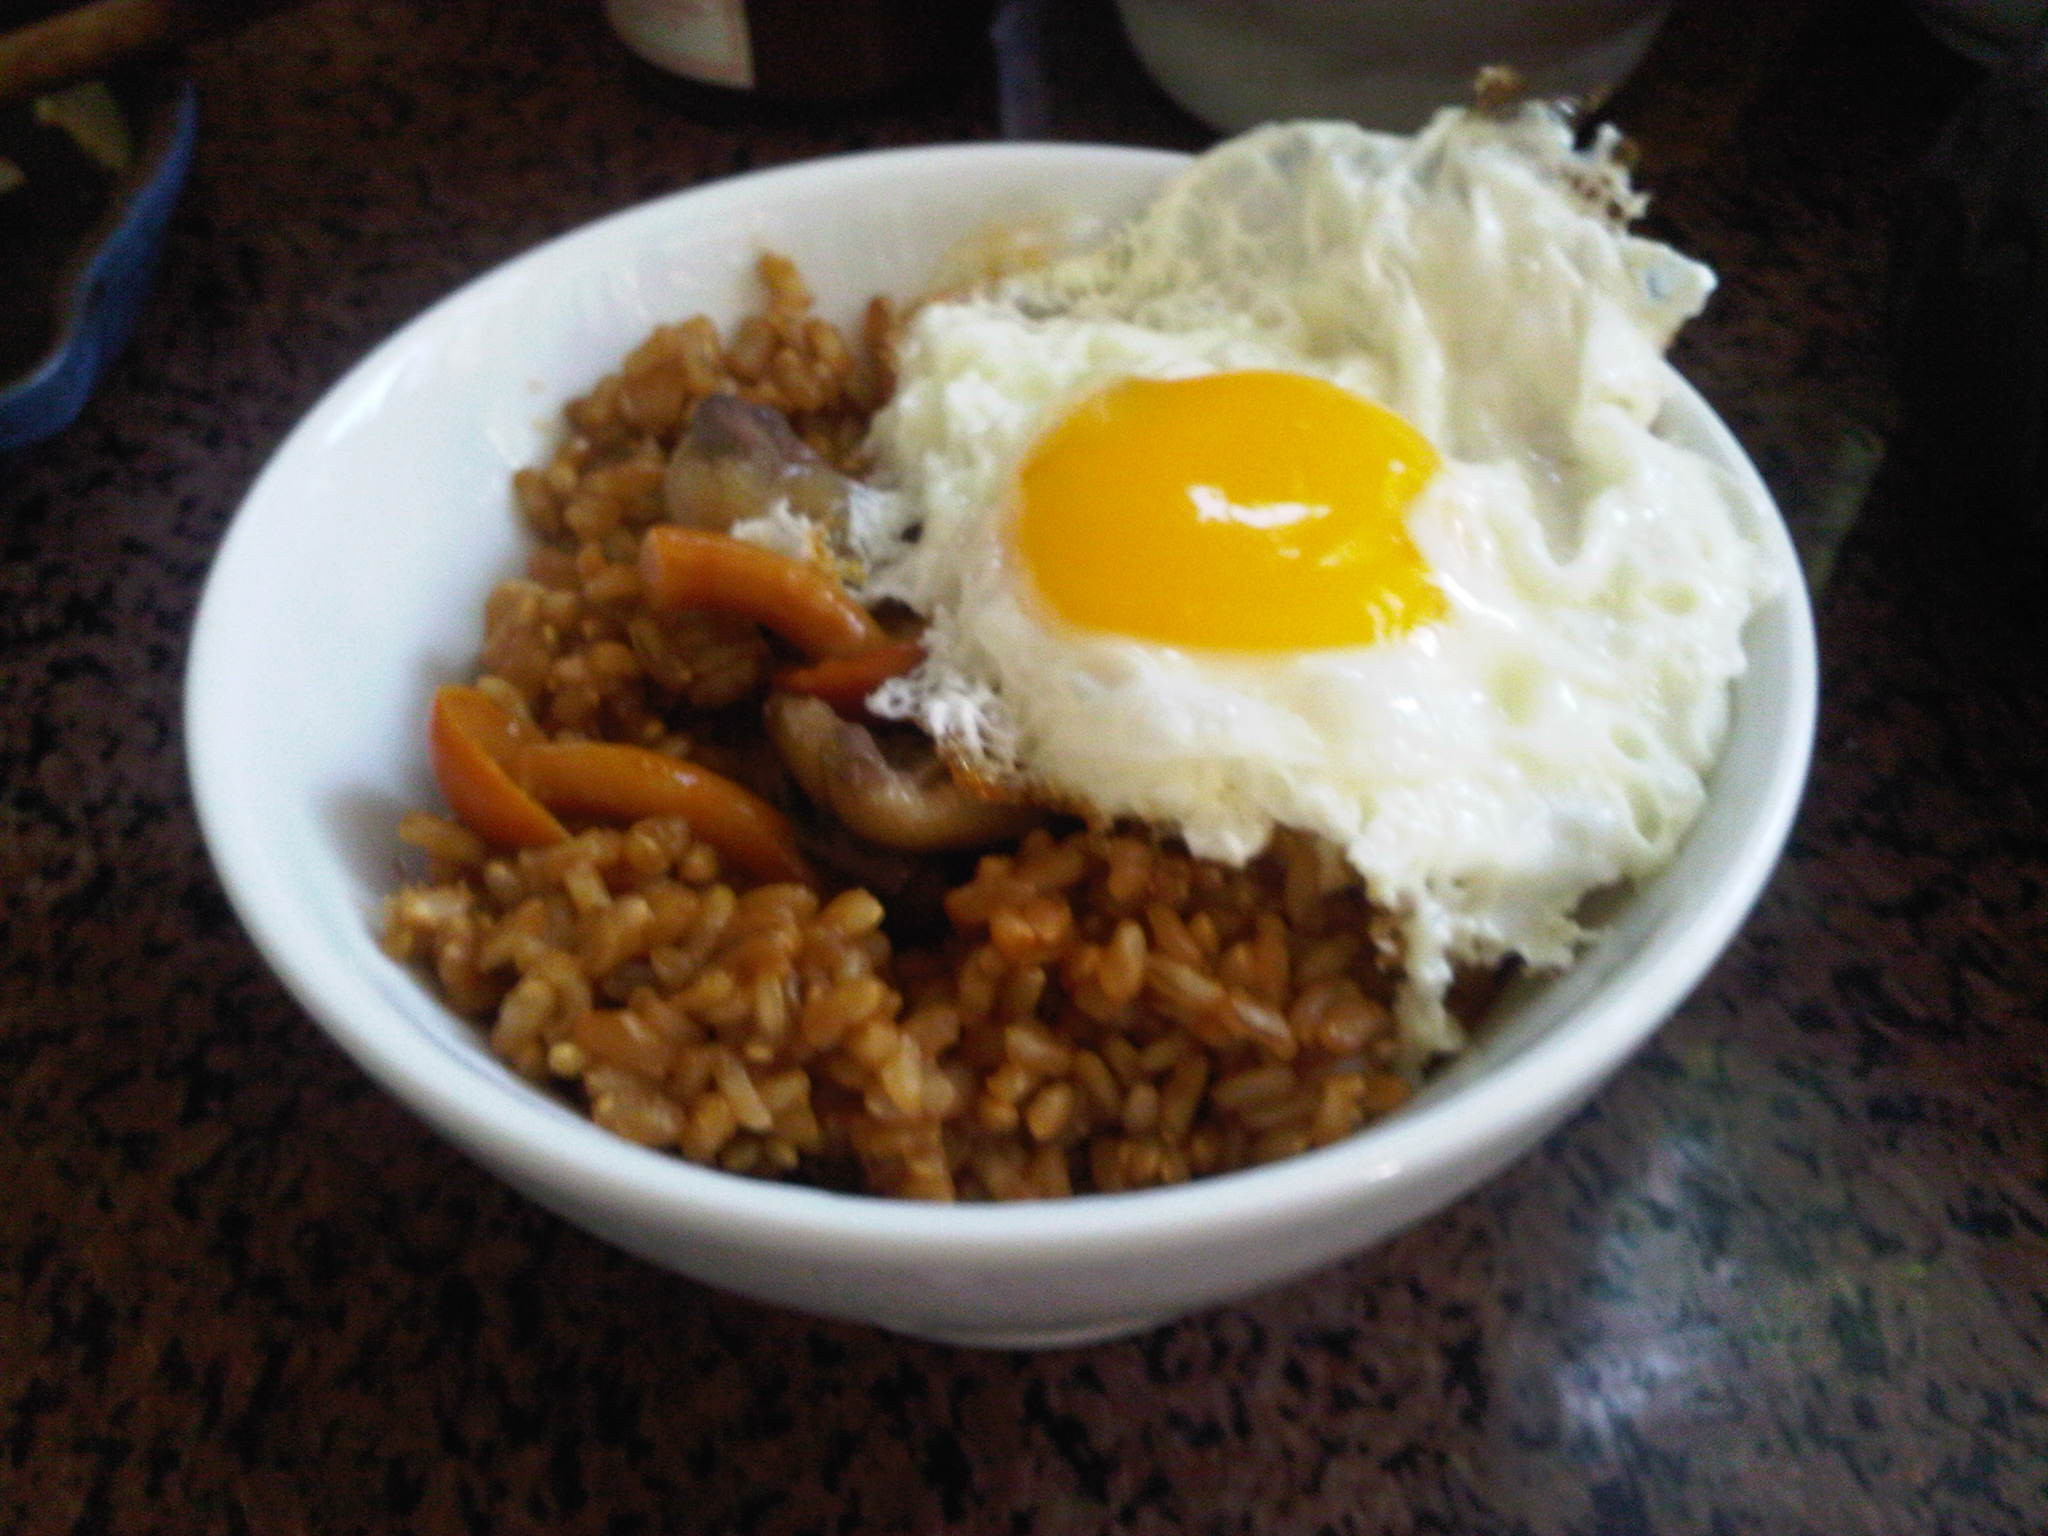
x,y
1789,1273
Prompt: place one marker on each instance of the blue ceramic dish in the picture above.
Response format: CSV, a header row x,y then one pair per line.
x,y
106,282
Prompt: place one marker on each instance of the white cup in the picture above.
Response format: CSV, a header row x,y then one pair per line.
x,y
1385,63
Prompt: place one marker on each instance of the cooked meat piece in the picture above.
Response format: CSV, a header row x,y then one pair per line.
x,y
912,803
736,460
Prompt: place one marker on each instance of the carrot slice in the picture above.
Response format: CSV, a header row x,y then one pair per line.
x,y
689,568
844,682
613,782
471,738
506,782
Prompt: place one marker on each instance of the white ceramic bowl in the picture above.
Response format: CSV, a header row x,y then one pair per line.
x,y
351,582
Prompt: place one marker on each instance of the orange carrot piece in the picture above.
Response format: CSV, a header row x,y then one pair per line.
x,y
844,682
621,783
471,739
689,568
507,783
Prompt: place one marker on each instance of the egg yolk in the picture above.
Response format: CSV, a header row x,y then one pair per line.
x,y
1254,510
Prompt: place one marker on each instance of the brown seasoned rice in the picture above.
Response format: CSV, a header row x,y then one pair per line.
x,y
1100,1010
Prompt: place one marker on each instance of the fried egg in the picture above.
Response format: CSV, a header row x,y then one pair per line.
x,y
1329,494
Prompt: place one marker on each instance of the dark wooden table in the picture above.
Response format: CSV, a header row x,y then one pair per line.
x,y
1788,1274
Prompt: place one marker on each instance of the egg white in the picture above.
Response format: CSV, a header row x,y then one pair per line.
x,y
1550,735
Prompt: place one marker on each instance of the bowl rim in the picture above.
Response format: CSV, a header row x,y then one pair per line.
x,y
510,1124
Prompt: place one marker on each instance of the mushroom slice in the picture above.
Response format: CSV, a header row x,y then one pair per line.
x,y
736,460
915,805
